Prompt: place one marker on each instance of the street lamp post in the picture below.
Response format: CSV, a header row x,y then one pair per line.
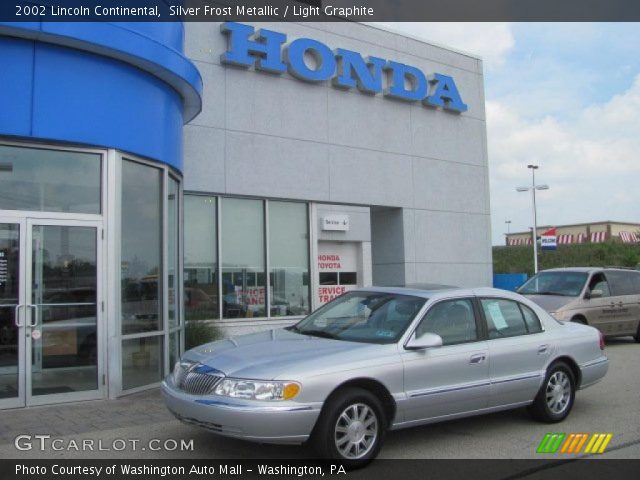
x,y
508,223
533,189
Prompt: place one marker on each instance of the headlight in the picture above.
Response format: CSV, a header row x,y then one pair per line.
x,y
257,389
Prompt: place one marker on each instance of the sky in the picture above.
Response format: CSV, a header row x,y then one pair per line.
x,y
565,97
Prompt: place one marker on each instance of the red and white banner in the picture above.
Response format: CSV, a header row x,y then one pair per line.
x,y
581,238
598,237
520,241
565,239
629,237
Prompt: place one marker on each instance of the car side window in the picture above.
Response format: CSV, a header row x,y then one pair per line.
x,y
531,320
453,320
636,283
504,318
623,283
599,282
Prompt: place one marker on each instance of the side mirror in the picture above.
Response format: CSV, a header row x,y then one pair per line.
x,y
595,294
428,340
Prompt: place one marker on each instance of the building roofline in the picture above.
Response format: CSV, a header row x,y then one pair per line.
x,y
584,224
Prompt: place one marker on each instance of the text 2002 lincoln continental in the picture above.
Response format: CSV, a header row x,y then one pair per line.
x,y
386,358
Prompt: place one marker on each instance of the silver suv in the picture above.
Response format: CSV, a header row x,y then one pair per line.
x,y
605,298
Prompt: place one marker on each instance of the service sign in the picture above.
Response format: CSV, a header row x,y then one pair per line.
x,y
336,223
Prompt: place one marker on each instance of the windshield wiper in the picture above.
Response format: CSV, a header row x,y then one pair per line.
x,y
317,333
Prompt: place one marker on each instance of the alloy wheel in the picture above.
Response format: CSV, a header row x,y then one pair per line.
x,y
356,431
558,392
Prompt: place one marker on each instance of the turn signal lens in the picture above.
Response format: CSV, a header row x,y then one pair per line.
x,y
290,391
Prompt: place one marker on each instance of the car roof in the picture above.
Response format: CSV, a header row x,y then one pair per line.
x,y
588,269
441,291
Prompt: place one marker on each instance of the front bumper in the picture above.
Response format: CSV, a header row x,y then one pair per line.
x,y
281,422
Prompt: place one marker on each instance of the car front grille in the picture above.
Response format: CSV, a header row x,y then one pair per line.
x,y
196,378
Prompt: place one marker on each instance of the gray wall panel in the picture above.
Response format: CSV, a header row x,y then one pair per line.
x,y
204,159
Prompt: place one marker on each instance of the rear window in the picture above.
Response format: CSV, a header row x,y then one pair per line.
x,y
624,283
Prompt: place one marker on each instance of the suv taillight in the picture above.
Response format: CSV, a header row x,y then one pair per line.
x,y
601,341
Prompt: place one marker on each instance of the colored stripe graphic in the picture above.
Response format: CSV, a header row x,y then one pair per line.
x,y
572,443
551,442
598,443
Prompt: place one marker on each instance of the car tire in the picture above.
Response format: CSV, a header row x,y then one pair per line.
x,y
579,320
556,395
351,428
636,337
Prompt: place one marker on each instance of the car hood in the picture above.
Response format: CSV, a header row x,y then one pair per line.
x,y
266,355
551,303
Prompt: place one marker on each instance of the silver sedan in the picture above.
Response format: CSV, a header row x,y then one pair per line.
x,y
386,358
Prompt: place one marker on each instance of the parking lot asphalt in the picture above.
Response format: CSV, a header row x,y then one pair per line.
x,y
613,405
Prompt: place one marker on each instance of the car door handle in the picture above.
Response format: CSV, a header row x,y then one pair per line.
x,y
543,349
477,358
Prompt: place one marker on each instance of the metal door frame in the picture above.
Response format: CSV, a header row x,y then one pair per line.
x,y
19,314
25,309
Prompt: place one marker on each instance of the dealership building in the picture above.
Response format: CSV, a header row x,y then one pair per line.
x,y
161,182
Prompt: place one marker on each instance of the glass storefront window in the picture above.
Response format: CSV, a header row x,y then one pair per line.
x,y
243,248
49,180
142,361
200,258
288,258
141,250
201,299
243,258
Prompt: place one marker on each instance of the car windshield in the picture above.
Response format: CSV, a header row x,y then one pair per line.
x,y
369,317
566,284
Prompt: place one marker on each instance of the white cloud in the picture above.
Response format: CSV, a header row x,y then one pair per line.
x,y
492,41
591,162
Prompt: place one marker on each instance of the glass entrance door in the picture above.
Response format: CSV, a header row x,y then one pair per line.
x,y
52,350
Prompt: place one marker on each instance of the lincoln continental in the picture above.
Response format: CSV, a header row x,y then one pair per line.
x,y
380,359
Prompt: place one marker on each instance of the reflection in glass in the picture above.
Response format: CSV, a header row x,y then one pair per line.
x,y
243,261
64,286
141,248
289,258
9,281
200,264
172,246
141,361
49,180
201,301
